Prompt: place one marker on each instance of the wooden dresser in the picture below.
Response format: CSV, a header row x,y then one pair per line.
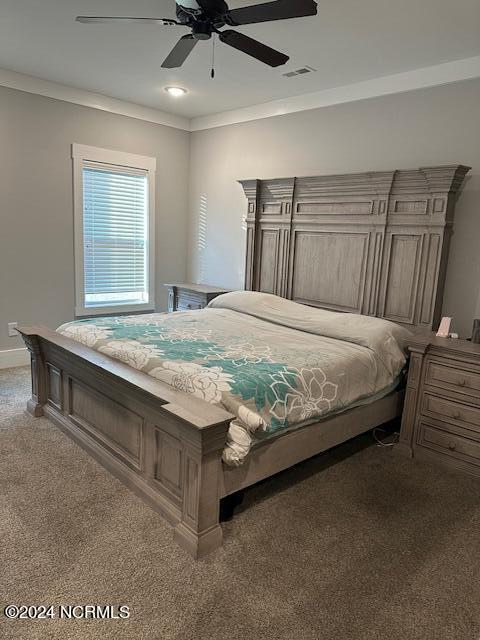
x,y
188,297
441,417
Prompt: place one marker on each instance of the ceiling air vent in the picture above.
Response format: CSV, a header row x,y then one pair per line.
x,y
298,72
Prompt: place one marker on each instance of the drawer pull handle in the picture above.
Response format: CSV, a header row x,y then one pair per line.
x,y
452,446
189,306
462,383
457,416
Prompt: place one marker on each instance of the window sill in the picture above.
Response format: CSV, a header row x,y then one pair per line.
x,y
115,309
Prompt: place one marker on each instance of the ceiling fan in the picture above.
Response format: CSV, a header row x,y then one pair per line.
x,y
206,17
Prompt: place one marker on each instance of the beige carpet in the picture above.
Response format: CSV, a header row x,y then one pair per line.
x,y
353,544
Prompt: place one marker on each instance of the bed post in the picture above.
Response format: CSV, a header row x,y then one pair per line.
x,y
39,374
199,531
252,191
418,348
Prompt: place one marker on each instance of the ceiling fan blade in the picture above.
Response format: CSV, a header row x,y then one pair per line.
x,y
267,11
107,19
253,48
180,52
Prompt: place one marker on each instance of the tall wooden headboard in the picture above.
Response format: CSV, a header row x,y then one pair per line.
x,y
373,243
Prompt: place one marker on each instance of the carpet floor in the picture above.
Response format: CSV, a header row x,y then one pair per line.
x,y
352,544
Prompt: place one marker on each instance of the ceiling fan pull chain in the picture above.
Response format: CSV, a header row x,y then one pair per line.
x,y
212,72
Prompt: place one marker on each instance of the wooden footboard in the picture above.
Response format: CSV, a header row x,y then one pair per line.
x,y
163,444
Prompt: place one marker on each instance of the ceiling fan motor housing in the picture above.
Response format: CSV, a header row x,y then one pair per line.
x,y
202,30
191,5
214,7
202,16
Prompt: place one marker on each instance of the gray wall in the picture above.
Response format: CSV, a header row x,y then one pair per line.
x,y
36,207
422,128
434,126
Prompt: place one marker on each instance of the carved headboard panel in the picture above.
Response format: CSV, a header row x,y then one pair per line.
x,y
373,243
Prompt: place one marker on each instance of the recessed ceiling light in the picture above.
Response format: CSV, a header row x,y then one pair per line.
x,y
176,92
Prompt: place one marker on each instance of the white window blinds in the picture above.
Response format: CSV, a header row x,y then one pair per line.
x,y
115,235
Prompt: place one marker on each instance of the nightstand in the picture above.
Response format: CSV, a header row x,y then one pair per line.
x,y
188,296
441,416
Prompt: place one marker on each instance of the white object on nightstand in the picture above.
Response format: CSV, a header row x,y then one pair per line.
x,y
444,329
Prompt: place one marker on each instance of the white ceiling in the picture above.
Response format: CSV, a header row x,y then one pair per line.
x,y
348,42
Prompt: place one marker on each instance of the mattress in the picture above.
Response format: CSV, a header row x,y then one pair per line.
x,y
272,363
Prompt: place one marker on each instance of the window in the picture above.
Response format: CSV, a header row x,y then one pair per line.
x,y
114,231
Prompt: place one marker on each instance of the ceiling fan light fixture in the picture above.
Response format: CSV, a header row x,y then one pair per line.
x,y
176,92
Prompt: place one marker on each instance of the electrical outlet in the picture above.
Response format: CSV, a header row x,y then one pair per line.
x,y
12,329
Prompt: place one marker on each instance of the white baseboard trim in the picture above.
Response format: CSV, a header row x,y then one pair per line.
x,y
14,358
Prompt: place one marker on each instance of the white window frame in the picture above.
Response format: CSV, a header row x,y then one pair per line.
x,y
82,153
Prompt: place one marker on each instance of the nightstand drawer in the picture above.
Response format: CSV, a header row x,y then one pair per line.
x,y
191,297
459,380
189,302
443,409
449,444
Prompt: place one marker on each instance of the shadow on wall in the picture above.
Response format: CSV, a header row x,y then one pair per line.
x,y
217,246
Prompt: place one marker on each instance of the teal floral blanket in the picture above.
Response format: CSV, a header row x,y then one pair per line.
x,y
271,376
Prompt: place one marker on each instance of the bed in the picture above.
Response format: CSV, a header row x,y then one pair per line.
x,y
370,250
